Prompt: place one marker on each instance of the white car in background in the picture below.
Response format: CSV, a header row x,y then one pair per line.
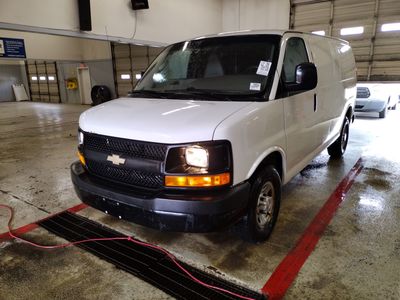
x,y
374,98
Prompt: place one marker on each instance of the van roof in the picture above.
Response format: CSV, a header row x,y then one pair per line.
x,y
254,32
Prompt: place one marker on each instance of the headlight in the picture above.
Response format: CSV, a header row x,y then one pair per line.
x,y
196,156
204,164
80,138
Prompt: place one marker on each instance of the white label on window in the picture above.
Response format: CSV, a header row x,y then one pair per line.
x,y
263,68
255,86
2,50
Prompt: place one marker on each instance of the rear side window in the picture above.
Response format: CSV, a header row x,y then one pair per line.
x,y
363,92
295,54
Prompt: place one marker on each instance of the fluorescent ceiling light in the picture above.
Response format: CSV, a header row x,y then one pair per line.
x,y
319,32
125,76
390,27
352,30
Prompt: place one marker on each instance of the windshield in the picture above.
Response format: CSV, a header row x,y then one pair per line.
x,y
226,68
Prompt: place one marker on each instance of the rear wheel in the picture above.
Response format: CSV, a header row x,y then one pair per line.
x,y
265,196
338,148
383,113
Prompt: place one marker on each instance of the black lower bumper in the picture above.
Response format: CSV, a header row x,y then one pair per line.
x,y
194,213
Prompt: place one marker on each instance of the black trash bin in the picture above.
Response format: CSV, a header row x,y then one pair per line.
x,y
100,94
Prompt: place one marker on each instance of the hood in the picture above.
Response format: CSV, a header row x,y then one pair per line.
x,y
158,120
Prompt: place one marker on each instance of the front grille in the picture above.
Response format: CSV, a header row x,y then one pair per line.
x,y
131,148
125,175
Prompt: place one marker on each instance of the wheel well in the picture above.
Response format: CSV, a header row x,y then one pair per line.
x,y
275,159
349,113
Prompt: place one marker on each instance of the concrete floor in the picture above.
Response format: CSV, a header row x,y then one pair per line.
x,y
358,256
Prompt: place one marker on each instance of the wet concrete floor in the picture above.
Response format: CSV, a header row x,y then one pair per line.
x,y
358,256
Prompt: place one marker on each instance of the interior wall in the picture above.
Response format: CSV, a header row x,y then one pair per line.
x,y
255,14
51,47
68,52
12,71
9,74
101,73
166,21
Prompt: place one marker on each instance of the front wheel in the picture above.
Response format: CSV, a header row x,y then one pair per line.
x,y
383,113
264,202
338,148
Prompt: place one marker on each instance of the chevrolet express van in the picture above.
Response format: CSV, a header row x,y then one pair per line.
x,y
214,128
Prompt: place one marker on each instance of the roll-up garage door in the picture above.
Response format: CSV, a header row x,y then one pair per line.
x,y
43,81
376,43
129,61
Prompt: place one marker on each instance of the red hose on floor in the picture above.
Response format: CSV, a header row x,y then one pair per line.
x,y
128,238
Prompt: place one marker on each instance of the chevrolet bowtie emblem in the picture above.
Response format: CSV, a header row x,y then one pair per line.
x,y
116,159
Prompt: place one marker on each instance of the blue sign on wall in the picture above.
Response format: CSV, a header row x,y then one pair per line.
x,y
12,48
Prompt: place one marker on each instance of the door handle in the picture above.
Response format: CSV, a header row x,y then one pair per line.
x,y
315,102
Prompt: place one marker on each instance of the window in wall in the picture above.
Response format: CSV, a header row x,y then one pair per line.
x,y
390,27
295,54
34,78
352,30
125,76
319,32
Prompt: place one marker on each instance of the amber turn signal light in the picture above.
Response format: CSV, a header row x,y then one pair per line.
x,y
198,180
81,159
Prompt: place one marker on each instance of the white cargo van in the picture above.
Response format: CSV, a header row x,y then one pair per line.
x,y
214,128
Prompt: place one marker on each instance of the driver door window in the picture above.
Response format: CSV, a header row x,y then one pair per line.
x,y
295,54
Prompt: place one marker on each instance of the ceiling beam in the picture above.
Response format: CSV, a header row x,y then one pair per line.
x,y
372,46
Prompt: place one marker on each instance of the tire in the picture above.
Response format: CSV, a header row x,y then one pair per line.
x,y
383,113
264,202
338,148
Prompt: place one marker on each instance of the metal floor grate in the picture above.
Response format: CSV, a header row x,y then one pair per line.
x,y
145,263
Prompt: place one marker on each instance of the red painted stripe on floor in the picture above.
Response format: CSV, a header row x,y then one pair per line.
x,y
287,270
26,228
77,208
19,231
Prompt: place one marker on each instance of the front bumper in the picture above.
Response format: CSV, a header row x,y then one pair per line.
x,y
370,105
169,212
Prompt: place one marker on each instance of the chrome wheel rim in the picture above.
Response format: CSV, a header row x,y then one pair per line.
x,y
265,205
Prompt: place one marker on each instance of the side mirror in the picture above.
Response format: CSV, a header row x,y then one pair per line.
x,y
306,78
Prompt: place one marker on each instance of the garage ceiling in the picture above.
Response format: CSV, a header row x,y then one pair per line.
x,y
377,53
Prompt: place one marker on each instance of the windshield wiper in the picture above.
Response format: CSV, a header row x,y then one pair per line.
x,y
159,94
194,93
202,94
149,93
